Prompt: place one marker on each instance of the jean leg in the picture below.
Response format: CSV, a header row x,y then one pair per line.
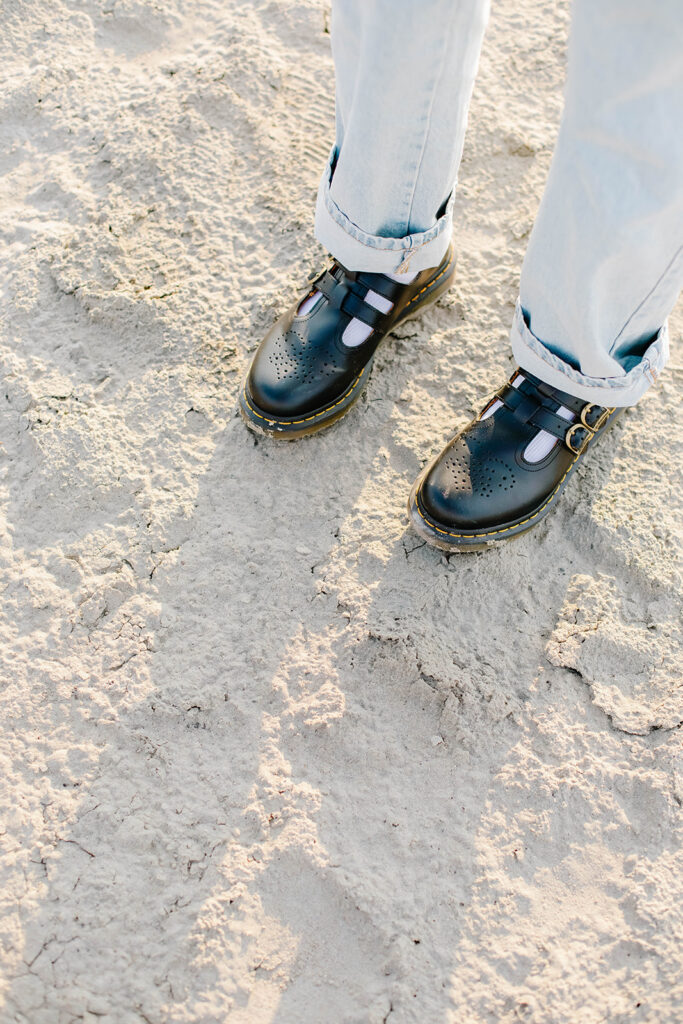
x,y
604,264
405,72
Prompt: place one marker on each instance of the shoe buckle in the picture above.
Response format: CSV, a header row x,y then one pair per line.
x,y
319,271
582,444
587,411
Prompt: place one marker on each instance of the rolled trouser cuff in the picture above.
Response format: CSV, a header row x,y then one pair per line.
x,y
532,355
357,250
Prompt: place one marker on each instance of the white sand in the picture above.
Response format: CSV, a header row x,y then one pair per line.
x,y
265,757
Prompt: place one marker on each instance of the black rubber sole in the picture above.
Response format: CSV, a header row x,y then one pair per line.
x,y
290,429
446,538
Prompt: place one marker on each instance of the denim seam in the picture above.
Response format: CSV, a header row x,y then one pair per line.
x,y
379,242
434,90
670,265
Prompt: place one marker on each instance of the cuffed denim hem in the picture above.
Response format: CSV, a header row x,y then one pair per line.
x,y
357,250
532,355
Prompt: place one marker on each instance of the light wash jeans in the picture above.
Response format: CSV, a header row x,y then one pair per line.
x,y
604,264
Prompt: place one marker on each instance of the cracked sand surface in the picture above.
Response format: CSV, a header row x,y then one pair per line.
x,y
267,758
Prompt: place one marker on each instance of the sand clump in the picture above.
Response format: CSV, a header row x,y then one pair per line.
x,y
266,757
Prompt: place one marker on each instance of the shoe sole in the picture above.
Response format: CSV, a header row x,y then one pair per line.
x,y
439,535
265,425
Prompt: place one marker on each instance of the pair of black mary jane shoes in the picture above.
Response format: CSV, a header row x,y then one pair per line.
x,y
480,490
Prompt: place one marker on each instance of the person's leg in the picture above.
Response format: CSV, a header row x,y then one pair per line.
x,y
404,78
405,72
604,264
603,269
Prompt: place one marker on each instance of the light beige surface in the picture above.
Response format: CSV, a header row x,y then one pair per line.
x,y
266,758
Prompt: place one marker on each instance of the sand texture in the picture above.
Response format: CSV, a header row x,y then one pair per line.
x,y
266,758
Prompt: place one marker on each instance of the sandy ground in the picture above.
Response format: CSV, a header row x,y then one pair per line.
x,y
265,757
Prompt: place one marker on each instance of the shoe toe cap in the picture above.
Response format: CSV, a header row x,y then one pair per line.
x,y
443,502
279,379
297,369
272,395
469,488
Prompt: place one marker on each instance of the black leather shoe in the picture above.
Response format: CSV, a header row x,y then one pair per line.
x,y
481,490
303,377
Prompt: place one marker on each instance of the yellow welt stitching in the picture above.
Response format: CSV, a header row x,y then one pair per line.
x,y
431,283
505,529
306,419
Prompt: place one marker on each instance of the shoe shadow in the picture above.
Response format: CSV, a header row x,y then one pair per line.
x,y
274,739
